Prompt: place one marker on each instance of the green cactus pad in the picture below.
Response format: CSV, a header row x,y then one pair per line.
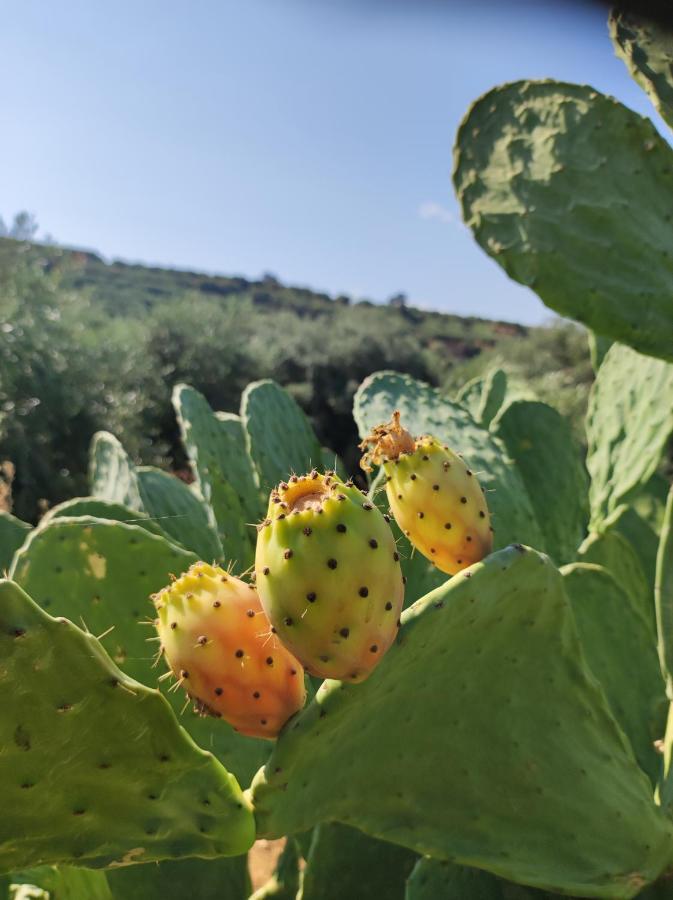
x,y
544,171
284,883
203,879
222,470
611,550
95,769
646,47
618,644
425,411
540,442
598,347
629,421
344,862
641,536
64,882
101,509
488,668
101,574
13,532
492,397
436,879
182,514
663,595
469,396
280,438
112,475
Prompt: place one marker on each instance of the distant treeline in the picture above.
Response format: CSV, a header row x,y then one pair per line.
x,y
86,346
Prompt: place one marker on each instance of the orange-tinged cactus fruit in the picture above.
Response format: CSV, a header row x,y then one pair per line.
x,y
436,499
220,646
329,575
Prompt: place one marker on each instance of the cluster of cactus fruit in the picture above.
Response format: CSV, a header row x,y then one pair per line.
x,y
327,590
494,720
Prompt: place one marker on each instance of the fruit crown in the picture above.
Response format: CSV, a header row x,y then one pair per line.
x,y
386,442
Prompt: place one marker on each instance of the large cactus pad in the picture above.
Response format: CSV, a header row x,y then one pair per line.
x,y
482,738
94,768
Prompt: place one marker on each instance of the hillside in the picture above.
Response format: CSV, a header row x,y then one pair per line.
x,y
89,345
129,289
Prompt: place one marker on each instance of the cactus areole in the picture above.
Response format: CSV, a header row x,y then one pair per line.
x,y
436,499
220,646
329,575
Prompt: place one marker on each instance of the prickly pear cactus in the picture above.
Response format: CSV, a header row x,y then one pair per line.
x,y
101,574
220,648
435,497
13,533
328,575
344,862
112,475
183,516
492,397
617,641
544,171
435,878
279,436
540,442
646,47
95,770
663,593
611,550
101,509
425,411
222,469
487,667
629,421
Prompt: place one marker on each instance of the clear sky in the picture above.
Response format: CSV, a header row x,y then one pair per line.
x,y
308,138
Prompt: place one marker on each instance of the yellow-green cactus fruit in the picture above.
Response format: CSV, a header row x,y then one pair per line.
x,y
436,499
328,575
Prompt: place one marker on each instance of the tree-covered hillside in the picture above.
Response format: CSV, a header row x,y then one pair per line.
x,y
88,345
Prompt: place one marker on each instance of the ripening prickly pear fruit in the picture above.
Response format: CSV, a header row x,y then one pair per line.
x,y
219,644
329,576
435,498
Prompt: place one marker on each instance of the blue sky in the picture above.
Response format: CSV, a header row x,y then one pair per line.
x,y
308,138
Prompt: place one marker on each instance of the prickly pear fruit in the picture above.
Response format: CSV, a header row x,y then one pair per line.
x,y
329,576
219,644
435,498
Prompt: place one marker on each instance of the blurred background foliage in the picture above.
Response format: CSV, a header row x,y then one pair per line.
x,y
86,345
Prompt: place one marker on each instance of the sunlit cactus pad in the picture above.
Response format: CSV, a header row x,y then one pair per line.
x,y
481,738
94,768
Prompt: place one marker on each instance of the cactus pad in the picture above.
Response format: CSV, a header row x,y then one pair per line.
x,y
646,46
112,475
663,594
544,171
280,438
618,644
374,869
13,533
102,573
222,470
540,442
487,668
425,411
95,769
435,879
328,575
101,509
629,421
218,643
183,515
